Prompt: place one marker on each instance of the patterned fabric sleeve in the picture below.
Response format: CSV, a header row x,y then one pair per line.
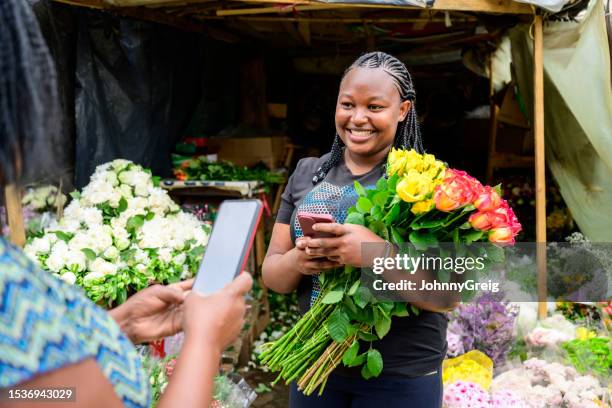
x,y
46,324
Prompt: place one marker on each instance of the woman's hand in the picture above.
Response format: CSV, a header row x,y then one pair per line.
x,y
310,264
345,247
215,321
152,313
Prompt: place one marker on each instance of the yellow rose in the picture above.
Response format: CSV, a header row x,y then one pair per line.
x,y
414,187
397,166
423,206
413,160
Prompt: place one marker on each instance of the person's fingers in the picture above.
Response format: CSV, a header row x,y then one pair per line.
x,y
333,228
302,242
168,294
241,285
324,242
328,265
184,285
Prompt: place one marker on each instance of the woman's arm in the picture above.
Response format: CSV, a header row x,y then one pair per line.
x,y
284,264
91,388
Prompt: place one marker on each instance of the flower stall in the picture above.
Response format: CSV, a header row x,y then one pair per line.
x,y
108,239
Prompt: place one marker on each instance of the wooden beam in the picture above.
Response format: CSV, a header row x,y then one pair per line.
x,y
540,169
335,20
280,9
484,6
14,215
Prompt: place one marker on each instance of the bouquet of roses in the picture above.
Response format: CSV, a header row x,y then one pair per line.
x,y
419,201
120,234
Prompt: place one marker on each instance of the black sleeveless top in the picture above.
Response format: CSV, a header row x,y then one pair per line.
x,y
415,345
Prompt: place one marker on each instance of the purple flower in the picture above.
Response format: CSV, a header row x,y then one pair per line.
x,y
485,324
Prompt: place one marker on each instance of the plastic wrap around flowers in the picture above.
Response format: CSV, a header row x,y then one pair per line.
x,y
427,183
118,235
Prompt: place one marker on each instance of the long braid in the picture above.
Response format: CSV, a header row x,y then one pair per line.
x,y
408,134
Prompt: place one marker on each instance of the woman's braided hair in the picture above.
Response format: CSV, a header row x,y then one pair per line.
x,y
408,135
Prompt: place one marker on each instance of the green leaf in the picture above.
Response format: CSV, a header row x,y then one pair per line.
x,y
426,224
353,288
365,372
75,194
393,214
121,296
376,213
123,205
400,309
498,189
134,222
355,218
455,235
396,237
374,362
468,208
64,236
197,251
156,180
359,189
365,336
364,205
381,184
495,253
150,216
465,225
415,310
338,326
392,183
350,307
362,297
332,297
382,326
350,354
473,236
380,198
89,253
422,239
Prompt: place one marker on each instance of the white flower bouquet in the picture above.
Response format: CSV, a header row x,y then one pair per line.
x,y
120,234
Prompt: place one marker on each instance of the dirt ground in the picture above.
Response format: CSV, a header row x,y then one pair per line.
x,y
278,397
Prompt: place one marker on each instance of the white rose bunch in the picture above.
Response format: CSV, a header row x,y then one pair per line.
x,y
120,234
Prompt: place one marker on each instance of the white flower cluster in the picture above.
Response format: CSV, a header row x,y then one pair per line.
x,y
45,198
121,233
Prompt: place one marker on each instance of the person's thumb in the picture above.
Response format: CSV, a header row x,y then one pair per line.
x,y
241,285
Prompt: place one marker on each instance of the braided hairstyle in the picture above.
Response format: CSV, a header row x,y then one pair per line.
x,y
408,135
29,106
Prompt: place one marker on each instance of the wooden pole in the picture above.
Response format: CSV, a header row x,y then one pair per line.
x,y
14,215
540,173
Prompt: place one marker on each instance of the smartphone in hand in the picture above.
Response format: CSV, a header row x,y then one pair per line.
x,y
229,244
307,220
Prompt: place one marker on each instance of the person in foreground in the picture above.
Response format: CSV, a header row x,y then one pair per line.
x,y
51,335
375,111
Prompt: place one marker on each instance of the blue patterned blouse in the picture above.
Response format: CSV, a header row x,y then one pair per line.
x,y
46,324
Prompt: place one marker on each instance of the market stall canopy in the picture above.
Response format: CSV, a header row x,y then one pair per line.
x,y
490,6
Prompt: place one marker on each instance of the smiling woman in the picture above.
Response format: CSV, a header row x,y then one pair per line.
x,y
375,111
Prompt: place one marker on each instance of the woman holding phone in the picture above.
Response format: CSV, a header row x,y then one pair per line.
x,y
51,335
375,111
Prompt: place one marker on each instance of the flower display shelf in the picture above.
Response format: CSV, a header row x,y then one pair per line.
x,y
213,188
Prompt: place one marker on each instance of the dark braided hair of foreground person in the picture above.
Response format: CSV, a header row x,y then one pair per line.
x,y
29,104
408,135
